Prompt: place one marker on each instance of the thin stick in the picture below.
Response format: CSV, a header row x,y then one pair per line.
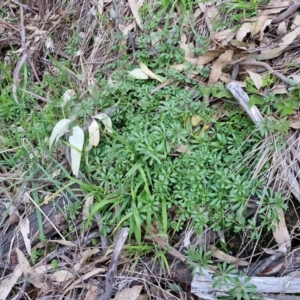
x,y
110,277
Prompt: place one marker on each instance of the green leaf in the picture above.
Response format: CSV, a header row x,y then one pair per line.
x,y
224,94
254,99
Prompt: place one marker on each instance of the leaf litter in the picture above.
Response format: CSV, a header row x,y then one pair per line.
x,y
254,42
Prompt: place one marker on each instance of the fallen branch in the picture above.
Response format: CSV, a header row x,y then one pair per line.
x,y
253,62
202,285
286,14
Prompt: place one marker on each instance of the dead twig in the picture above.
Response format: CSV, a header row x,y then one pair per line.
x,y
253,62
286,14
110,277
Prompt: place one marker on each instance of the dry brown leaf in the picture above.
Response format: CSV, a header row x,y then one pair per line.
x,y
183,149
100,5
143,297
218,65
256,78
203,7
243,31
125,30
179,67
152,75
262,30
8,283
239,44
275,6
281,30
62,276
258,25
64,242
135,11
197,13
225,35
225,77
226,257
25,230
204,59
129,293
84,256
92,292
295,125
296,77
212,15
295,121
296,22
281,234
286,41
67,287
196,120
280,89
187,48
86,207
32,276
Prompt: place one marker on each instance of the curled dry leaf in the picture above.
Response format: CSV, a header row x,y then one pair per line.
x,y
218,65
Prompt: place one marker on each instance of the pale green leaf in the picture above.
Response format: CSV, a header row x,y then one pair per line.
x,y
105,119
138,74
76,141
152,75
94,134
59,130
